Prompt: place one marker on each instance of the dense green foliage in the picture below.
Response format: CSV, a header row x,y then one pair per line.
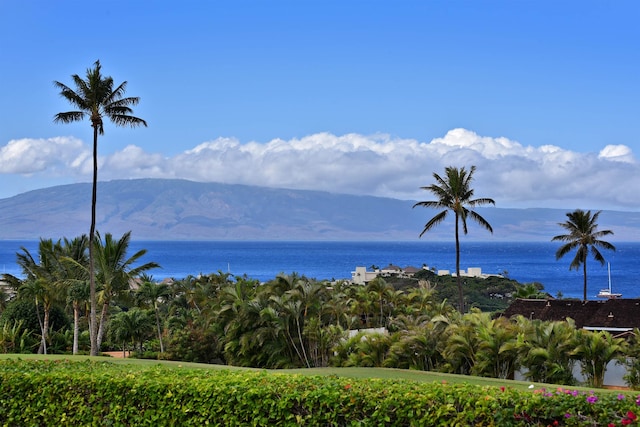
x,y
25,311
492,293
296,322
97,393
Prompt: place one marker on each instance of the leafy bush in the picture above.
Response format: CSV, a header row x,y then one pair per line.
x,y
493,293
25,311
100,393
15,339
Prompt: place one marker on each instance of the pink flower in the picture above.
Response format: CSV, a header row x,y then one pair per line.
x,y
629,419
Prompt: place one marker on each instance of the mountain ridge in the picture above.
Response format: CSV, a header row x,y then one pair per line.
x,y
175,209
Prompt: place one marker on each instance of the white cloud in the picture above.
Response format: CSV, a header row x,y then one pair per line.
x,y
490,148
28,156
617,153
133,162
512,174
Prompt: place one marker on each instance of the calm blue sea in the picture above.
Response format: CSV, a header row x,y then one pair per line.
x,y
524,261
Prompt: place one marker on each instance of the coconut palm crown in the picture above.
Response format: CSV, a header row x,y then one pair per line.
x,y
583,236
96,98
454,194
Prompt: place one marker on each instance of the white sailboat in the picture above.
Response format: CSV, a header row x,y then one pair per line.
x,y
607,293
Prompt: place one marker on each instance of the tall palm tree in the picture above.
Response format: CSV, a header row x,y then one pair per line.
x,y
58,266
44,280
114,272
455,195
40,290
380,292
75,261
151,294
583,236
77,295
96,98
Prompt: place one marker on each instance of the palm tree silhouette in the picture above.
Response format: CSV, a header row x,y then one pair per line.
x,y
96,98
455,195
583,236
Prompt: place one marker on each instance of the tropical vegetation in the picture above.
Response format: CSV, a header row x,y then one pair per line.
x,y
291,321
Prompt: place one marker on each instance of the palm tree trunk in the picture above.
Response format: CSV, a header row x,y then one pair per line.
x,y
293,343
43,342
45,326
93,333
584,272
155,306
458,279
76,326
101,328
304,352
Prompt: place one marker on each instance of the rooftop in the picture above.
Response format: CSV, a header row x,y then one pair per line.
x,y
611,314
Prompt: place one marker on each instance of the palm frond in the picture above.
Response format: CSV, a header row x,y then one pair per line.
x,y
480,220
126,120
69,117
434,221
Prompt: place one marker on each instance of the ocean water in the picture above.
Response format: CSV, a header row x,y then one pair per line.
x,y
522,261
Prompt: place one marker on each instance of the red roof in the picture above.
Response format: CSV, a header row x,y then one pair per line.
x,y
611,313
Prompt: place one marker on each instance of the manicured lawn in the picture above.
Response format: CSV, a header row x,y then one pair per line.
x,y
406,374
384,373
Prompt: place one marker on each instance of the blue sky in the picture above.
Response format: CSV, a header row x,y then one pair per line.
x,y
362,97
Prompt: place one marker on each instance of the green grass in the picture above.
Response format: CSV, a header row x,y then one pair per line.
x,y
119,361
383,373
405,374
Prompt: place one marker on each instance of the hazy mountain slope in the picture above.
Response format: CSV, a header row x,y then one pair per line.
x,y
159,209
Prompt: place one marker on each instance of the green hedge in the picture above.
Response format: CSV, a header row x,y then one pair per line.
x,y
105,394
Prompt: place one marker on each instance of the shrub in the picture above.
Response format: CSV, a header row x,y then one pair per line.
x,y
25,311
101,393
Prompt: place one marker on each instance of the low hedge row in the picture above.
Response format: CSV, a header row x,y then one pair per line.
x,y
105,394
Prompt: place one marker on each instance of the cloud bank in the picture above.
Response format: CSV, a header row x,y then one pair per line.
x,y
512,174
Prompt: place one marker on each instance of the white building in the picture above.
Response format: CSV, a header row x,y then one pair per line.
x,y
361,276
470,272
